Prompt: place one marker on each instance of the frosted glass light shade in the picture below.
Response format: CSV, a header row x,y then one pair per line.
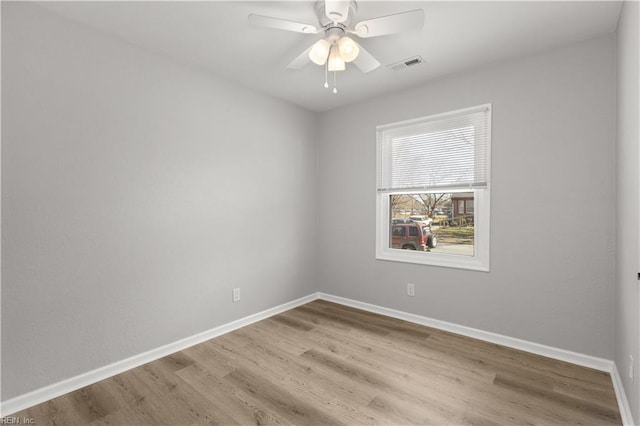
x,y
348,48
319,52
336,63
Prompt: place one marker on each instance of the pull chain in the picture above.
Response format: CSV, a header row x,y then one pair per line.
x,y
326,83
335,88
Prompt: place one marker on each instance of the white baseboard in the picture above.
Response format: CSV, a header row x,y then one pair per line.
x,y
536,348
69,385
621,396
74,383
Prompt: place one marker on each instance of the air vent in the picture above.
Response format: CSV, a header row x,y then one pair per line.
x,y
406,63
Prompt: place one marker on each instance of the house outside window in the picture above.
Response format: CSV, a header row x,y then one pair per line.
x,y
464,208
433,189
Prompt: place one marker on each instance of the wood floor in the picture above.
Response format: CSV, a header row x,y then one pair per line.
x,y
323,363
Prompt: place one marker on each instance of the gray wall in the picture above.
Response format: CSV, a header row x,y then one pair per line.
x,y
127,180
628,189
136,194
552,206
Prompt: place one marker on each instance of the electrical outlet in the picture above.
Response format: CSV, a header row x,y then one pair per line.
x,y
236,294
631,369
411,289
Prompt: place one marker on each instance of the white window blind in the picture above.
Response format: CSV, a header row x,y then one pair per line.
x,y
446,151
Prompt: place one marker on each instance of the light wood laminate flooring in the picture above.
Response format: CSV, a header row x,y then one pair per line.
x,y
323,363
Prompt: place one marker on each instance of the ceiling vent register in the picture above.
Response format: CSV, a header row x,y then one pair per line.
x,y
406,63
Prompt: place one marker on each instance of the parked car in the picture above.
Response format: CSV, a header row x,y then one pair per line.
x,y
401,220
424,219
413,236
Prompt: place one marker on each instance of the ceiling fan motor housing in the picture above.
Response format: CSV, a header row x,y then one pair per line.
x,y
335,16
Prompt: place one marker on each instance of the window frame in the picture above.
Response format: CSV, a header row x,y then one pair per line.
x,y
480,261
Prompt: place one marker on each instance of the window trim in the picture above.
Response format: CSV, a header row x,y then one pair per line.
x,y
480,261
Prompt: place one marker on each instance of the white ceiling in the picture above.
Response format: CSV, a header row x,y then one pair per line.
x,y
457,36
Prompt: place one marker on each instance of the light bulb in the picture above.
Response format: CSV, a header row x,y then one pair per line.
x,y
319,52
348,48
336,63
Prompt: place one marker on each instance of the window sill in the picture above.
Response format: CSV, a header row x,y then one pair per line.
x,y
474,263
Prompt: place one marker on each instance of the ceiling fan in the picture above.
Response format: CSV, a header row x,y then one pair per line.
x,y
335,18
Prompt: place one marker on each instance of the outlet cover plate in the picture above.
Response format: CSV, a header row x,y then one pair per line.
x,y
411,289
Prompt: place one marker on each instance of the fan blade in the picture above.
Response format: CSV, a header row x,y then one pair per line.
x,y
280,24
390,24
301,60
336,10
365,61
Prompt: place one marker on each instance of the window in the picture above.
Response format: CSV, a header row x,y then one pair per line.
x,y
434,172
468,206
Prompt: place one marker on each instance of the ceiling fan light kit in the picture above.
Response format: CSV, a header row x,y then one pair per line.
x,y
320,52
336,49
336,63
348,49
